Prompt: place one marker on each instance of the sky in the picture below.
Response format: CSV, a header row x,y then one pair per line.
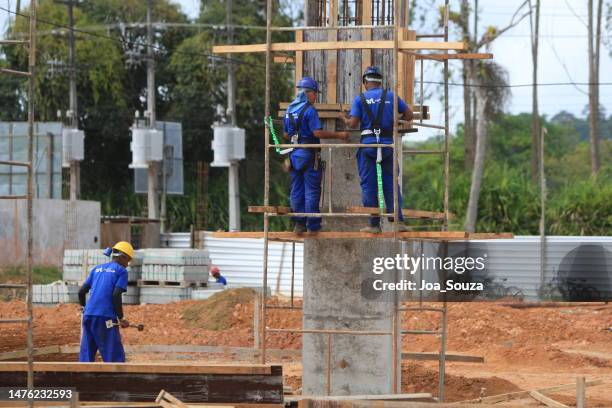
x,y
563,56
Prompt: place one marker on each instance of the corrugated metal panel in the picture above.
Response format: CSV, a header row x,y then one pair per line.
x,y
241,262
515,260
176,240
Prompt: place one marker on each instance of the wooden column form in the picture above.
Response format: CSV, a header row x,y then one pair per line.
x,y
299,57
366,55
332,56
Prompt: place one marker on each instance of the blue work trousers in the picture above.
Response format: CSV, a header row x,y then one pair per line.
x,y
366,163
305,189
95,336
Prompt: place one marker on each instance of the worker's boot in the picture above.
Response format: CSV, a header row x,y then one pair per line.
x,y
299,228
371,229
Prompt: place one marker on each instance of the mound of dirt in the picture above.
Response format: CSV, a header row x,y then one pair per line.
x,y
221,311
417,378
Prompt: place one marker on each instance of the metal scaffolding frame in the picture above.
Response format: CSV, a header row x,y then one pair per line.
x,y
31,43
398,21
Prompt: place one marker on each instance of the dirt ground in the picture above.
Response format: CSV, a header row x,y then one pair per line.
x,y
523,348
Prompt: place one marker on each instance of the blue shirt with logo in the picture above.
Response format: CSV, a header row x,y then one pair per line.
x,y
373,99
310,123
103,279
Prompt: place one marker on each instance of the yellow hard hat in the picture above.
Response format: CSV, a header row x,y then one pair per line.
x,y
125,247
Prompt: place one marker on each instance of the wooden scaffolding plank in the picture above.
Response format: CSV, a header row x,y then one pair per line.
x,y
410,235
153,368
334,115
458,56
340,107
167,400
417,214
339,45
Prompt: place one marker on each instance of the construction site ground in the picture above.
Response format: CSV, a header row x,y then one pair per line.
x,y
524,348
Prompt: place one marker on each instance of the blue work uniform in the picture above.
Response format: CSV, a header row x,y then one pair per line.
x,y
371,119
95,335
221,280
306,174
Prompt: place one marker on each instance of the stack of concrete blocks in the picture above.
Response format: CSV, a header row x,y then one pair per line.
x,y
170,274
78,263
54,293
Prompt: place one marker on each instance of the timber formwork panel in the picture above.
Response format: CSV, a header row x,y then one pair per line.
x,y
254,384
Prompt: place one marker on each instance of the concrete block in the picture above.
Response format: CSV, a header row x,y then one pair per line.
x,y
163,294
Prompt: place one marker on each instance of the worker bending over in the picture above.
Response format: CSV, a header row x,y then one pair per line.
x,y
103,313
302,126
373,112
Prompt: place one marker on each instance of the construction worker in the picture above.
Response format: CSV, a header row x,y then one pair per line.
x,y
103,313
376,123
302,126
216,273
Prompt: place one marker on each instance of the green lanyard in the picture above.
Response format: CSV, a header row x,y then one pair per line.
x,y
270,124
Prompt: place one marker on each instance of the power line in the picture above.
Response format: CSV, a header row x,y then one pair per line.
x,y
130,43
226,59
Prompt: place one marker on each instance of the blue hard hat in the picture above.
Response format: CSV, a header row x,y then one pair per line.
x,y
372,72
308,83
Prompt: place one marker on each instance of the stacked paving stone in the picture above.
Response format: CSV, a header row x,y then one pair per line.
x,y
79,262
56,292
170,275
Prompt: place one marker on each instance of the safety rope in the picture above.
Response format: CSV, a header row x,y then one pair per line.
x,y
270,124
380,187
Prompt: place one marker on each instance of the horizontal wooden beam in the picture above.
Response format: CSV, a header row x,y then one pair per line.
x,y
412,235
334,115
449,357
261,369
458,56
416,214
344,107
339,45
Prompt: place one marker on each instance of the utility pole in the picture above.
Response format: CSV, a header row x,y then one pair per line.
x,y
152,197
75,168
72,114
234,189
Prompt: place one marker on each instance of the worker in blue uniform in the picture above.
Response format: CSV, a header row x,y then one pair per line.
x,y
302,126
373,112
103,312
216,273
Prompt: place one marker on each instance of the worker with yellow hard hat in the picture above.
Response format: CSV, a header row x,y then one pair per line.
x,y
103,312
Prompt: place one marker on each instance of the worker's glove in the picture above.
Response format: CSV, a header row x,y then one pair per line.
x,y
124,323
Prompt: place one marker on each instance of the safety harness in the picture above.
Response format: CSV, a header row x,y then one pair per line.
x,y
376,130
296,123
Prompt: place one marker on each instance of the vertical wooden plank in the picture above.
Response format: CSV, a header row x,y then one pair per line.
x,y
366,55
409,71
332,57
580,393
299,57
